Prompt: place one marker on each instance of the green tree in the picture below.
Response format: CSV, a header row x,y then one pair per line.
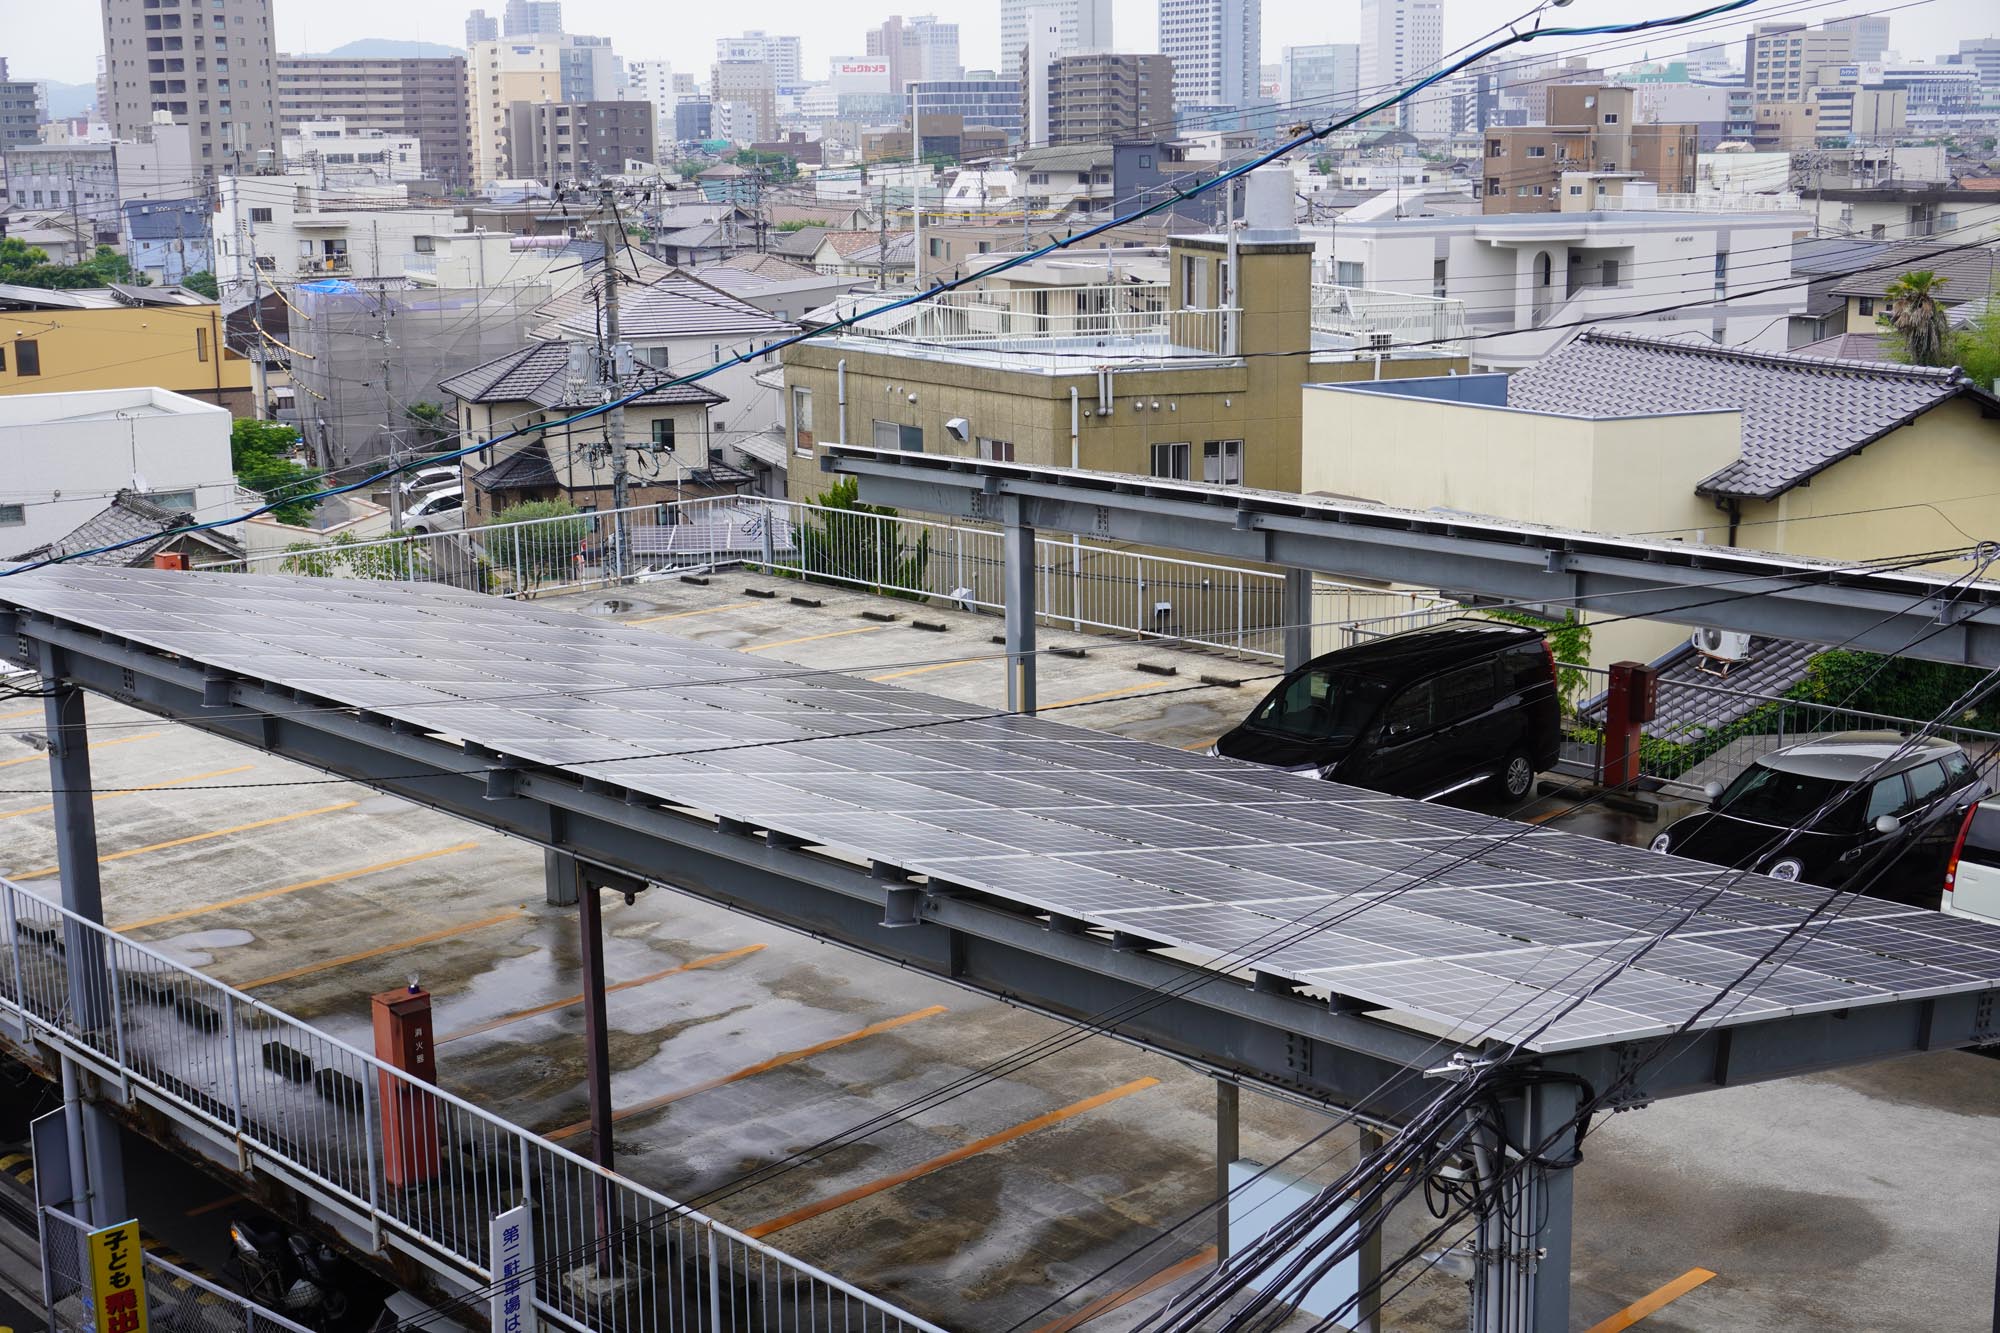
x,y
1975,348
202,282
800,224
431,424
1917,318
545,547
259,454
855,543
780,167
28,266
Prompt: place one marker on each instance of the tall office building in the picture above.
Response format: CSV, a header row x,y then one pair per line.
x,y
213,68
1216,47
529,18
1869,34
481,26
1402,41
916,48
1081,25
745,99
779,52
1781,61
1983,54
419,97
1319,80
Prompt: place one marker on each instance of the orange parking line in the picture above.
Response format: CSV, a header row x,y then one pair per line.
x,y
761,1067
682,615
554,1005
1547,815
24,712
814,638
935,666
1647,1304
513,914
959,1154
127,791
262,894
94,745
1106,1304
200,837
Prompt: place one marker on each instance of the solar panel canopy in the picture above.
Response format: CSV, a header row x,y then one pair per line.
x,y
1461,924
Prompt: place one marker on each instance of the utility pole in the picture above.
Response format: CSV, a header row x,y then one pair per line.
x,y
882,238
614,420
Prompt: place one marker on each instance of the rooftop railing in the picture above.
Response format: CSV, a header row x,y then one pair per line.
x,y
1383,320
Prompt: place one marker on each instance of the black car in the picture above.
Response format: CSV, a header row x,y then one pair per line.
x,y
1851,797
1418,714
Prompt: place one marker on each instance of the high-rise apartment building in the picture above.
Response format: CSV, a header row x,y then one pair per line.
x,y
212,67
24,106
1316,81
744,95
1402,41
423,98
1099,97
481,27
1081,25
1216,47
916,48
500,74
578,142
781,53
591,70
1869,34
530,18
1782,61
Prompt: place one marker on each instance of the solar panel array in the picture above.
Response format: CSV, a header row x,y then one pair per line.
x,y
1470,924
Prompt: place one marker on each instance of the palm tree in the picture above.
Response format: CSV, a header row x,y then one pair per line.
x,y
1918,318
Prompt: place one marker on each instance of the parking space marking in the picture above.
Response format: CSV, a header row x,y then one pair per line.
x,y
553,1005
201,837
261,894
1202,745
748,1071
814,638
1106,1304
935,666
23,712
682,615
959,1154
40,757
1652,1302
1547,815
1102,694
511,914
150,786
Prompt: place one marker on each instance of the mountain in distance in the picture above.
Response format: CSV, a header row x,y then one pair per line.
x,y
386,48
67,100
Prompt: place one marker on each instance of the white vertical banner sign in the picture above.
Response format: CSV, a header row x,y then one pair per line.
x,y
513,1251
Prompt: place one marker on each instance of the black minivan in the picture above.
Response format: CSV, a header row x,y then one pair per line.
x,y
1417,714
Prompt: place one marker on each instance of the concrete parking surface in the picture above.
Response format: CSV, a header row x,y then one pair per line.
x,y
1864,1199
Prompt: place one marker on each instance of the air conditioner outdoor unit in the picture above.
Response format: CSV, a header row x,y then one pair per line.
x,y
1720,649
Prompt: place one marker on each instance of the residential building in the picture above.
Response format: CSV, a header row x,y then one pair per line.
x,y
1591,146
591,70
1080,25
944,136
744,98
916,48
1216,47
1530,280
532,18
339,154
1782,62
500,74
1317,81
287,229
217,75
653,81
132,531
481,260
1867,34
1849,114
64,466
693,120
781,53
425,98
668,434
91,180
1905,209
119,338
1402,41
1103,97
23,107
578,142
993,102
167,239
1968,277
481,27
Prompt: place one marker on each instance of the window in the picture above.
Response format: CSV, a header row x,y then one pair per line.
x,y
1926,781
1222,462
1536,150
1438,283
27,357
889,435
3,359
1171,461
260,215
13,516
181,502
1409,712
1890,796
663,433
802,420
996,451
1576,189
1611,118
1348,274
201,344
1865,305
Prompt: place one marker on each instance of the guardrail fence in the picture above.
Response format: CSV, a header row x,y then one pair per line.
x,y
177,1300
310,1110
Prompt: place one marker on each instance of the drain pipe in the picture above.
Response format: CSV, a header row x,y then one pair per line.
x,y
840,394
1075,541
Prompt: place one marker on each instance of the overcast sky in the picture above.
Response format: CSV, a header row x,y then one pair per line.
x,y
61,41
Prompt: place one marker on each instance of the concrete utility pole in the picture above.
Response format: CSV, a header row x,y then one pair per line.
x,y
614,420
882,238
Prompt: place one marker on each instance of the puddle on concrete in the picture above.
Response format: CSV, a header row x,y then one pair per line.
x,y
611,606
195,949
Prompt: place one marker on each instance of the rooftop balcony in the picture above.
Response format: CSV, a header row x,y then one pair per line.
x,y
1699,203
1361,319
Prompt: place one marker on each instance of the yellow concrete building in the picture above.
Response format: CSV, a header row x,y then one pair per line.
x,y
119,338
498,74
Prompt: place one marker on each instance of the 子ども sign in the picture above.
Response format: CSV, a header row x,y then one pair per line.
x,y
117,1279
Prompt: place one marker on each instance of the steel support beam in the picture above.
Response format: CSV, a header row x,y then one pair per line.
x,y
1917,615
1521,1270
1298,617
1368,1271
562,867
1017,543
1228,1147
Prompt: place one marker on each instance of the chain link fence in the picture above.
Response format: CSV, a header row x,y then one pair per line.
x,y
177,1301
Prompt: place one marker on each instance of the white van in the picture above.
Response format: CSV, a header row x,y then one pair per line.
x,y
1972,876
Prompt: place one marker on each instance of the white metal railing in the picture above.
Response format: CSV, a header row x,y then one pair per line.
x,y
1699,203
177,1301
1391,319
1124,321
413,1165
1079,584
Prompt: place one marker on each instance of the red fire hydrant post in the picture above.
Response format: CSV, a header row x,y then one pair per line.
x,y
1629,702
405,1041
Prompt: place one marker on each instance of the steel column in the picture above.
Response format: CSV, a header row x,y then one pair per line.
x,y
1018,549
596,1039
1368,1273
1296,615
1521,1278
559,879
1228,1147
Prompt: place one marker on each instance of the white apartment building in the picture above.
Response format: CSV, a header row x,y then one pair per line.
x,y
1401,41
1530,280
329,150
1217,49
781,53
278,229
1082,26
97,177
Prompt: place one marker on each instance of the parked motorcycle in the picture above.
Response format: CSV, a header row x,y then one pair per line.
x,y
293,1274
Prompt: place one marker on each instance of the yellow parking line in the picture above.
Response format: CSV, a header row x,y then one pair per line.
x,y
1102,694
1202,745
935,666
512,914
814,638
200,837
1647,1304
1106,1304
682,615
959,1154
567,1001
761,1067
22,712
94,745
151,786
262,894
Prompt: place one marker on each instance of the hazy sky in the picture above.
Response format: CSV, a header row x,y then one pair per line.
x,y
61,41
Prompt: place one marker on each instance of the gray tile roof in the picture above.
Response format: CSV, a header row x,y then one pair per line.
x,y
126,518
1801,414
1969,274
539,374
1694,699
527,468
